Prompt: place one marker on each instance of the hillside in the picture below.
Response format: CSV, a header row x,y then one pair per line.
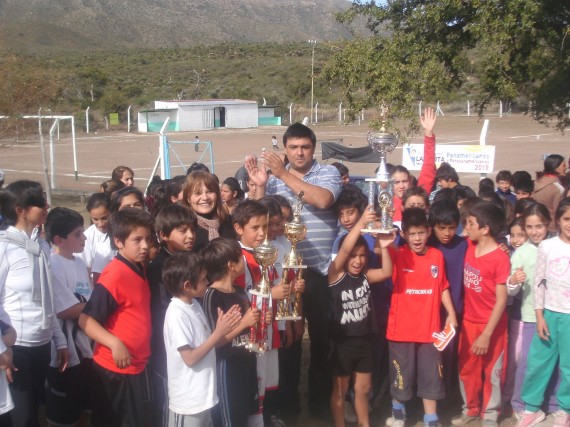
x,y
40,25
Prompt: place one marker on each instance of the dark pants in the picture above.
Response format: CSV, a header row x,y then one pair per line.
x,y
117,398
29,383
289,375
317,311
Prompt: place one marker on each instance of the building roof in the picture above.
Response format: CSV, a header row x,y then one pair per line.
x,y
209,101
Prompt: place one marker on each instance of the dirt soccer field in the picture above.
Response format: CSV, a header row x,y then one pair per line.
x,y
520,145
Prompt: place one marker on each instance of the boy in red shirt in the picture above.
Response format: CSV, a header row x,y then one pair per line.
x,y
117,318
483,337
420,288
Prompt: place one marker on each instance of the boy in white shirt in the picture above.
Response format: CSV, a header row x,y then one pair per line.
x,y
190,344
67,391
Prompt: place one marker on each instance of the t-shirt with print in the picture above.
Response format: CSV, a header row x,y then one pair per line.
x,y
419,281
71,285
481,275
350,296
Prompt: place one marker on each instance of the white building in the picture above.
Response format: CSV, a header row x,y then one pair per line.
x,y
200,115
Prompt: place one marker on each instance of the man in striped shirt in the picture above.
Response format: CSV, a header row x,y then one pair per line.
x,y
321,185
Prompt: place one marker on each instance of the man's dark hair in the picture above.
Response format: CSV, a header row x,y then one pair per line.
x,y
489,214
62,221
173,216
447,173
522,181
247,210
217,254
182,267
197,167
504,175
299,130
123,222
443,212
350,197
446,194
414,217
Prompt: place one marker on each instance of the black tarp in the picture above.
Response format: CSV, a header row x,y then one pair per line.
x,y
333,150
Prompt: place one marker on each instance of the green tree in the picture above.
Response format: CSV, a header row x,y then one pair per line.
x,y
418,50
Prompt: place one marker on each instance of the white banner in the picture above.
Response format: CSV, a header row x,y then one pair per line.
x,y
464,158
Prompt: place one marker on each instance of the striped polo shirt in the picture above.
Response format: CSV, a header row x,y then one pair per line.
x,y
322,224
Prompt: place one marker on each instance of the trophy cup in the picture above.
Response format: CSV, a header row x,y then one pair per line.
x,y
266,255
295,232
383,143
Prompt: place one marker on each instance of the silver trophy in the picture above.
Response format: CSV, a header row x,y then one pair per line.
x,y
383,143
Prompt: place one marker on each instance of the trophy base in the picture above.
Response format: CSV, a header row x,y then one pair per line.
x,y
255,348
259,294
288,317
378,230
294,266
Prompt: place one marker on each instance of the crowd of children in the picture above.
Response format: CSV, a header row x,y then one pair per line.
x,y
147,316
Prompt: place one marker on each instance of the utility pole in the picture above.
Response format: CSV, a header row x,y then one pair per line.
x,y
313,43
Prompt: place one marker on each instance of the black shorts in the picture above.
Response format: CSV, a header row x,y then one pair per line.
x,y
352,354
67,394
117,398
415,366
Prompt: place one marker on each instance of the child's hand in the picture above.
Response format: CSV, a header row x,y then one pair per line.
x,y
542,329
227,321
300,285
385,240
480,345
121,354
268,316
6,359
451,319
427,120
518,276
281,291
368,216
251,317
62,359
504,248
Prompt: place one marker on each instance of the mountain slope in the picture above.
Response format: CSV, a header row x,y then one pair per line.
x,y
31,25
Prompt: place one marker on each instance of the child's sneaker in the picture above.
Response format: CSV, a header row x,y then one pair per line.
x,y
561,418
463,419
531,418
349,413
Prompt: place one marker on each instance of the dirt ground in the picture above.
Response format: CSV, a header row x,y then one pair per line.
x,y
520,145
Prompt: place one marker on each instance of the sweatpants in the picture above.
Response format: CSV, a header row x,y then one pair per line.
x,y
28,387
550,404
541,363
481,377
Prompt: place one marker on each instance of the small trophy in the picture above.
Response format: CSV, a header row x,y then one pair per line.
x,y
266,255
382,142
295,232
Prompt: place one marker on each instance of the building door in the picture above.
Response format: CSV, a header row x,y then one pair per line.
x,y
208,119
220,117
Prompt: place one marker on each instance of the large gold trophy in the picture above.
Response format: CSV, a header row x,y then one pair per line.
x,y
265,255
382,142
294,232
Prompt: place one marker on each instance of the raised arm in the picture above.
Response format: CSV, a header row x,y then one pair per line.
x,y
377,275
427,173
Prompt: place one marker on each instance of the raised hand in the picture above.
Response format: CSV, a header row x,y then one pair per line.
x,y
428,120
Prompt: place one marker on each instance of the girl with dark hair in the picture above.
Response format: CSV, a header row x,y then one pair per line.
x,y
26,297
231,193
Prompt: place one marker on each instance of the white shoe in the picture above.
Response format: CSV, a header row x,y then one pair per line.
x,y
349,413
561,418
